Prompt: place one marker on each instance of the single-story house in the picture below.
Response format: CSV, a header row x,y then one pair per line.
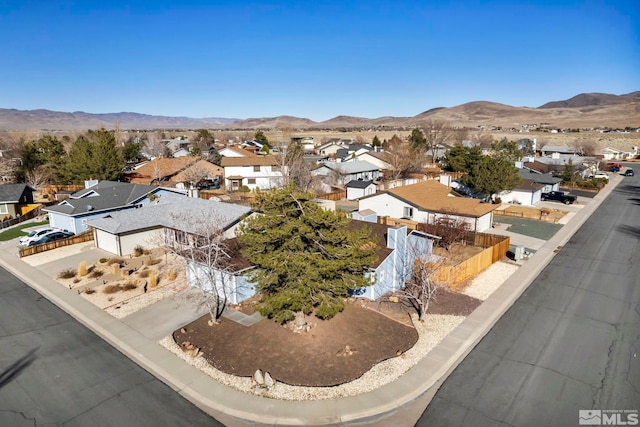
x,y
379,158
343,172
548,181
359,188
427,202
527,193
177,172
120,232
12,196
101,198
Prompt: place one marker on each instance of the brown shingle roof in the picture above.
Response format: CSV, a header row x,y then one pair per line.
x,y
248,161
434,197
160,168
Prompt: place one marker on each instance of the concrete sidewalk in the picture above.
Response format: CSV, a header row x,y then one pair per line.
x,y
404,399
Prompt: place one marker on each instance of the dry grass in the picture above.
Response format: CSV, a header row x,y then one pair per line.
x,y
69,273
553,215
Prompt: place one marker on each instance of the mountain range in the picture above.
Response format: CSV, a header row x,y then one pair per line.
x,y
586,110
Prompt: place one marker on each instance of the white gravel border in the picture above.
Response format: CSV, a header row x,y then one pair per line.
x,y
430,332
490,279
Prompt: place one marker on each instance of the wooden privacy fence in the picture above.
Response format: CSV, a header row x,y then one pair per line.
x,y
496,248
527,215
42,247
336,195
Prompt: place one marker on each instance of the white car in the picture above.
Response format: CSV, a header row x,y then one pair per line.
x,y
36,234
599,175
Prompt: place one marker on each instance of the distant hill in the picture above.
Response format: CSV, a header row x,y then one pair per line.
x,y
581,111
592,99
11,119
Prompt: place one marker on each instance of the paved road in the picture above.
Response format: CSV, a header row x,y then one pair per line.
x,y
54,371
571,342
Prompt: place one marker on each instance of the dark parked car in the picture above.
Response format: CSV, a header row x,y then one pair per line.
x,y
628,172
51,237
209,184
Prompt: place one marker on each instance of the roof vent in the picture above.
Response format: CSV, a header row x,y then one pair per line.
x,y
89,208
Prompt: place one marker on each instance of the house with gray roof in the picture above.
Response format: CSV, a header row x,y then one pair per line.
x,y
121,231
12,196
100,198
548,181
343,172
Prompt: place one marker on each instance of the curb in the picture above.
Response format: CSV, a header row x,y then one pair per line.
x,y
411,392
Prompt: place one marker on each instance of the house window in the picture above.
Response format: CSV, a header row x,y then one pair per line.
x,y
256,168
182,237
408,212
251,180
4,209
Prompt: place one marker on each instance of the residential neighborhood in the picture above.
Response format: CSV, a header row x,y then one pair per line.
x,y
391,229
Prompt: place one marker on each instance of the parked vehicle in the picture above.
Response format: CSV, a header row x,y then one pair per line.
x,y
51,237
614,169
36,234
559,196
209,184
599,175
628,172
614,165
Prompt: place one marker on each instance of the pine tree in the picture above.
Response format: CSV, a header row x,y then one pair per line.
x,y
94,156
306,259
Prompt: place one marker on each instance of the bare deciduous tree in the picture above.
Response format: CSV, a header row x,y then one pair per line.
x,y
448,228
208,255
154,147
401,157
37,177
196,172
436,133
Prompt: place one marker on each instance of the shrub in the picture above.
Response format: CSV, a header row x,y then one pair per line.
x,y
103,260
96,273
129,286
171,276
144,273
153,261
82,269
115,268
67,274
90,291
545,211
76,280
111,289
138,251
115,260
497,201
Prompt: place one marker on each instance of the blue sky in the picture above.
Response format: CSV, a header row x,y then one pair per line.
x,y
315,59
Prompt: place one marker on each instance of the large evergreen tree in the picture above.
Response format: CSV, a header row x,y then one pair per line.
x,y
92,156
306,259
44,154
491,175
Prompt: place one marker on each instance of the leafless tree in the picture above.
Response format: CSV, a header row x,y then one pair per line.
x,y
421,285
401,157
291,164
208,255
436,133
154,146
196,172
449,229
8,169
37,177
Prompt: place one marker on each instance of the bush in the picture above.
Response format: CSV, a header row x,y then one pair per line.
x,y
95,273
171,276
497,201
90,291
115,260
129,286
111,289
144,273
103,260
138,251
153,261
67,274
545,211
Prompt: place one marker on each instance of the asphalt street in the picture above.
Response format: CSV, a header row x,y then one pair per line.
x,y
571,342
55,371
